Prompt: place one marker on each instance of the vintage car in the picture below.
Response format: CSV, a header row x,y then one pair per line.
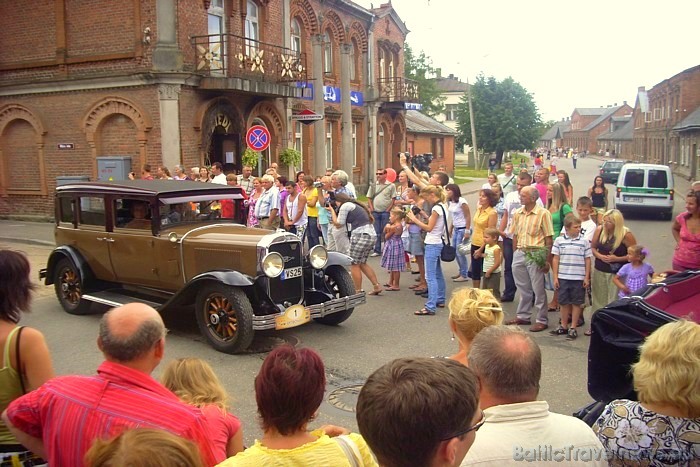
x,y
180,244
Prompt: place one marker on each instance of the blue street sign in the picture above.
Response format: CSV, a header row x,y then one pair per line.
x,y
356,98
413,106
331,94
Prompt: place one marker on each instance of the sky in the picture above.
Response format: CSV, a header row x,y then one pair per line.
x,y
566,54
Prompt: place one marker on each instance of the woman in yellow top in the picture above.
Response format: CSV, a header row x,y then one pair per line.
x,y
26,362
313,231
289,390
485,217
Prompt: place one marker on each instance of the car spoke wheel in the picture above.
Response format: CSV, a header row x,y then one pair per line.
x,y
69,288
225,317
339,283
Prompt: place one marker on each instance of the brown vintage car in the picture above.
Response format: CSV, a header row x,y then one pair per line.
x,y
174,243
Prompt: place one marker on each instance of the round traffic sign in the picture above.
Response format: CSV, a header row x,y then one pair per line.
x,y
258,138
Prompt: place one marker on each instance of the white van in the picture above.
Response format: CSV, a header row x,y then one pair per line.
x,y
645,188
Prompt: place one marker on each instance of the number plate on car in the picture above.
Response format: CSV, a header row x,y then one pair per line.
x,y
295,315
633,199
291,273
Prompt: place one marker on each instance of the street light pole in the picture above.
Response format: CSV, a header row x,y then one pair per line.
x,y
471,120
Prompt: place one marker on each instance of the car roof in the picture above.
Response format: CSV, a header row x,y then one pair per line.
x,y
149,188
647,166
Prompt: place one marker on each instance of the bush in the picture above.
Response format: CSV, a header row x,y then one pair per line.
x,y
250,157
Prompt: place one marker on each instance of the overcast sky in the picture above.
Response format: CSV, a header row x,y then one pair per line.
x,y
567,54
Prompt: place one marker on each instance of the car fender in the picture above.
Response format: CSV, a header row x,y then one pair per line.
x,y
338,259
67,251
188,293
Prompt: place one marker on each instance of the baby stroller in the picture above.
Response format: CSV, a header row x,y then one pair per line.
x,y
621,327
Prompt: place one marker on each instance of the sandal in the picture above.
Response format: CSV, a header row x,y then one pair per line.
x,y
387,285
392,289
377,290
424,312
588,333
420,291
414,286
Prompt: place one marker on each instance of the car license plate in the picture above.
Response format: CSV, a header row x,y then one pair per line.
x,y
295,315
291,273
633,199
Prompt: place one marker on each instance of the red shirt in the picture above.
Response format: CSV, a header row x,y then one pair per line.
x,y
222,427
69,412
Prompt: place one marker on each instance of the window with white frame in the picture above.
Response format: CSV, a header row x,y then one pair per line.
x,y
251,27
329,144
327,53
299,141
354,144
215,30
647,117
657,113
451,112
382,62
296,35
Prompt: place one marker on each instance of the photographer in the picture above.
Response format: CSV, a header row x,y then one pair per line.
x,y
437,178
380,198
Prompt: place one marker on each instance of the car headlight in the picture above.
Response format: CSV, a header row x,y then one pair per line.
x,y
318,256
273,264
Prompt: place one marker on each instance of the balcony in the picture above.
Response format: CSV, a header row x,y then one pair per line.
x,y
230,62
397,90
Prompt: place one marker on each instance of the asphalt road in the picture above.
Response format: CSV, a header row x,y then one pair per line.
x,y
383,329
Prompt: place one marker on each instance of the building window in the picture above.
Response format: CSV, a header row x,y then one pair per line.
x,y
329,144
215,30
354,144
382,71
296,36
299,141
380,156
251,28
657,113
353,64
436,146
451,112
327,53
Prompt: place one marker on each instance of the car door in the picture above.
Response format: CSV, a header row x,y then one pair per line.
x,y
91,237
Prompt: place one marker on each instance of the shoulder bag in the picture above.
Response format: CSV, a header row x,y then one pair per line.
x,y
449,252
350,449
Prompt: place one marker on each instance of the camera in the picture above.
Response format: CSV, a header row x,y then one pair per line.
x,y
415,210
318,184
419,161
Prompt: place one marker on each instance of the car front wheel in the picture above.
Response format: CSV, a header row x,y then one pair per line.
x,y
69,288
225,317
339,282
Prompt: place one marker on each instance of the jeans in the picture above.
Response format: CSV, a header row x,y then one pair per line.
x,y
433,276
457,236
381,219
509,291
324,233
312,232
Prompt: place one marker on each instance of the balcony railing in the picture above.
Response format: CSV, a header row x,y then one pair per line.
x,y
397,89
228,55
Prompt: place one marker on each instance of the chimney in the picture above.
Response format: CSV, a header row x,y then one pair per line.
x,y
452,76
640,89
624,102
615,104
438,72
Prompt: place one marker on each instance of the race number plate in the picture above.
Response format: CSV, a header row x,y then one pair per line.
x,y
294,316
291,273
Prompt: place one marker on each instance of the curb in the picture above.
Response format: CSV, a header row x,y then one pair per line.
x,y
28,241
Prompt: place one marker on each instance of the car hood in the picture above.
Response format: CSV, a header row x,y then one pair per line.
x,y
218,234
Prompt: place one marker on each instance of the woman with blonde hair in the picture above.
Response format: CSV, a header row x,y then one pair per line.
x,y
195,383
559,207
662,427
471,310
610,243
144,447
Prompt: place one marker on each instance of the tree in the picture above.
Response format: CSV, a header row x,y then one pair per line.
x,y
420,69
505,115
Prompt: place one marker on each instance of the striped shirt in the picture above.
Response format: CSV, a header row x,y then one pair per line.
x,y
531,228
572,253
69,412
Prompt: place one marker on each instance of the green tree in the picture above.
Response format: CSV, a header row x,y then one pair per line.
x,y
505,115
420,69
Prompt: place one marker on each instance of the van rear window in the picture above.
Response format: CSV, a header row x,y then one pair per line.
x,y
658,179
634,178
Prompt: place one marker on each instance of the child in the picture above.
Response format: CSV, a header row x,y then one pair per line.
x,y
195,383
571,268
635,274
393,257
492,263
584,209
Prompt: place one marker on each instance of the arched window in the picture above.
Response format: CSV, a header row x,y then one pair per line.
x,y
353,61
327,53
296,35
382,62
251,27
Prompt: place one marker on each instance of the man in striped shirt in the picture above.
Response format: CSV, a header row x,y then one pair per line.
x,y
60,419
532,231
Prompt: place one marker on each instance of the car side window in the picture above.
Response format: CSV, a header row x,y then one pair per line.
x,y
92,211
658,179
132,214
634,178
66,210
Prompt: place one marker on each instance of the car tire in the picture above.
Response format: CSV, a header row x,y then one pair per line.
x,y
69,288
339,282
225,317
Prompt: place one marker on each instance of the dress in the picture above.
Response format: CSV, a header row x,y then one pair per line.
x,y
252,220
635,277
633,435
393,258
325,451
687,254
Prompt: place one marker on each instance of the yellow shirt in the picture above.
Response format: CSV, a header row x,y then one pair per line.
x,y
311,211
532,227
325,451
481,222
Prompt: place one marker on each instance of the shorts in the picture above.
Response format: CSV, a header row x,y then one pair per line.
x,y
477,264
415,244
361,245
571,292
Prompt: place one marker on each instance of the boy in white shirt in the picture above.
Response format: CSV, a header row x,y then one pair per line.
x,y
584,209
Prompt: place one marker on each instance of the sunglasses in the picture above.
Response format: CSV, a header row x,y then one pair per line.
x,y
380,173
476,427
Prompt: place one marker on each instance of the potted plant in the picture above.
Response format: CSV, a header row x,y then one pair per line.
x,y
290,157
250,157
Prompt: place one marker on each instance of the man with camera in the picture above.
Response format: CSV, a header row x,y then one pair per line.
x,y
437,178
380,198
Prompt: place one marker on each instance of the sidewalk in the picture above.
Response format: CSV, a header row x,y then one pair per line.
x,y
31,233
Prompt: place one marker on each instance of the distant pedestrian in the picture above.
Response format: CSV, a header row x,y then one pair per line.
x,y
575,160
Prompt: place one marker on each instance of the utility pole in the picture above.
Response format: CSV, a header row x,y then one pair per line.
x,y
471,120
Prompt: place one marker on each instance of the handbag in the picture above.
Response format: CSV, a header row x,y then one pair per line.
x,y
449,252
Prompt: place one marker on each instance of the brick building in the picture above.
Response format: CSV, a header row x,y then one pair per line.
x,y
618,140
170,82
554,136
426,135
589,123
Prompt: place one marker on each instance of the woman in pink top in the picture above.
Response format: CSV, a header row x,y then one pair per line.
x,y
686,231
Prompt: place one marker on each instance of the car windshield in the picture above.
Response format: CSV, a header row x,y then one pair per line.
x,y
614,165
175,211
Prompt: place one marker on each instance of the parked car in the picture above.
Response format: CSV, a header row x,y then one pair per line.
x,y
166,243
610,170
645,188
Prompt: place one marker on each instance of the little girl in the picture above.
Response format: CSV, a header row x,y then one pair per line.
x,y
636,273
393,259
195,383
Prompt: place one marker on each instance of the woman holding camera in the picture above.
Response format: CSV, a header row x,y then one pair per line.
x,y
435,228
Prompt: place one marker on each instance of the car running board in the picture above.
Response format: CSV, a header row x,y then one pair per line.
x,y
116,298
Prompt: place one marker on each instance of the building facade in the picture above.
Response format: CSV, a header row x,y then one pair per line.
x,y
427,135
589,123
169,82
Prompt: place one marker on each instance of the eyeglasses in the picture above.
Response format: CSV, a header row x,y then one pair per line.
x,y
476,427
380,173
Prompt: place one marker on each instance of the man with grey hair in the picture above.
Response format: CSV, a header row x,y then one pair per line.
x,y
267,208
341,183
60,420
518,427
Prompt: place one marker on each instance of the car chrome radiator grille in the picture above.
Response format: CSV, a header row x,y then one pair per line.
x,y
288,290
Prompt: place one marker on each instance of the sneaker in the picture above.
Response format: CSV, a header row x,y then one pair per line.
x,y
572,334
374,254
560,331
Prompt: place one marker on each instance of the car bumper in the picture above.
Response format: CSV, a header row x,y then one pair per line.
x,y
261,323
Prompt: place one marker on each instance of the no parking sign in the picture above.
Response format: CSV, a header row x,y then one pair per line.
x,y
258,138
